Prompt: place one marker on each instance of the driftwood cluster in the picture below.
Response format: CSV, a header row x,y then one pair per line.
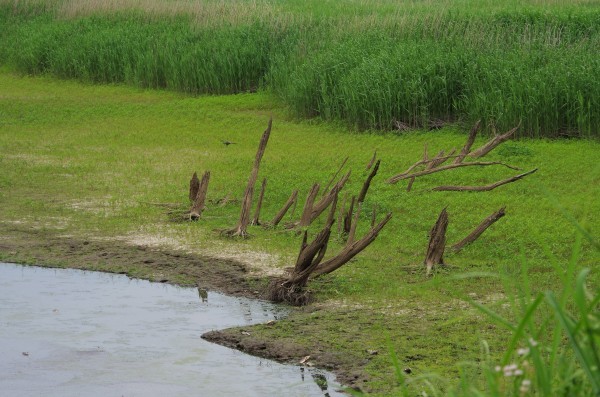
x,y
437,237
311,261
428,166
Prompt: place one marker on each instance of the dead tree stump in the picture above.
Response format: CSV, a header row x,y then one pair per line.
x,y
198,205
194,186
255,220
437,242
292,289
241,228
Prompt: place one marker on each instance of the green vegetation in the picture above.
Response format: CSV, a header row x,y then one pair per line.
x,y
87,161
367,64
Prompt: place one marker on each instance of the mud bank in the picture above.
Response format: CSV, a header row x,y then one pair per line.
x,y
21,244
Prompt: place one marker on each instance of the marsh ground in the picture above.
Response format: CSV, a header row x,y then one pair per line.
x,y
83,168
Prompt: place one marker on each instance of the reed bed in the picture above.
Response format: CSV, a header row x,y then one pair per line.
x,y
372,65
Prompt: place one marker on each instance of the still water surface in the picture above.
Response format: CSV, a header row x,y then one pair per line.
x,y
67,332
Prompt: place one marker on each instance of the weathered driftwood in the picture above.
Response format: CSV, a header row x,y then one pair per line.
x,y
485,188
348,216
437,242
410,183
291,289
365,188
306,217
311,209
436,163
255,218
279,216
478,231
318,208
431,164
198,205
194,186
351,250
470,140
372,161
426,161
492,143
352,232
241,228
341,215
335,175
400,177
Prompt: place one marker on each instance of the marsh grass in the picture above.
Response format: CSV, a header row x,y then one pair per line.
x,y
365,64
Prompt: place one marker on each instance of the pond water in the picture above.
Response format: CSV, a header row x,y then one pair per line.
x,y
66,332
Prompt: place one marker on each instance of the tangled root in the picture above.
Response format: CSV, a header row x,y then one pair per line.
x,y
280,290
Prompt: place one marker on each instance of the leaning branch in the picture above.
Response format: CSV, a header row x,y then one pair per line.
x,y
482,188
470,140
285,208
365,188
400,177
241,227
478,231
492,143
351,250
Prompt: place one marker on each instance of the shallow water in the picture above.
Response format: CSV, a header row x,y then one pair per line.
x,y
66,332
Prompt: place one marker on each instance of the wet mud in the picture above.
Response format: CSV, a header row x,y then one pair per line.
x,y
43,248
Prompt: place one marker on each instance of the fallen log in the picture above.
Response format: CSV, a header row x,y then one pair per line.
x,y
485,188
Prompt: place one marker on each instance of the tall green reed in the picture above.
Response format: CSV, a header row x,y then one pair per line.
x,y
368,67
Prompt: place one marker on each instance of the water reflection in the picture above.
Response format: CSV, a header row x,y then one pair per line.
x,y
71,333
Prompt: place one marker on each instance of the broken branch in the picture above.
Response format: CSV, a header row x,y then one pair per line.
x,y
474,235
482,188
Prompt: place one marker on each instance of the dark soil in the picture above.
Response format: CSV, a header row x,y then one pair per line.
x,y
45,248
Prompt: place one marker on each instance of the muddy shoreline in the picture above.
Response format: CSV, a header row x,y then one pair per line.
x,y
20,244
